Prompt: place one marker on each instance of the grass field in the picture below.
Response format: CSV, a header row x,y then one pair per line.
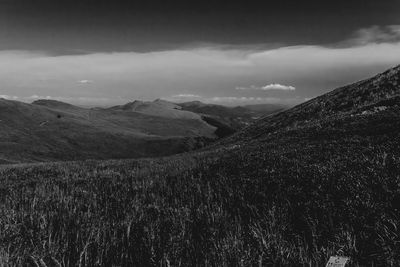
x,y
290,200
292,189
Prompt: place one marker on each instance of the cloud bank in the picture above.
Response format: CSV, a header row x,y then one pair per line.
x,y
210,72
376,34
184,96
9,97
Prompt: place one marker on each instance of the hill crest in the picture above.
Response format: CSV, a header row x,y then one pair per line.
x,y
357,99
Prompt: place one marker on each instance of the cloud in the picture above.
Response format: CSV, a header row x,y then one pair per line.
x,y
36,97
85,81
235,99
272,86
9,97
375,34
209,72
186,96
277,86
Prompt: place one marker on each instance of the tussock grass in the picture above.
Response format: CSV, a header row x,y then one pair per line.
x,y
261,204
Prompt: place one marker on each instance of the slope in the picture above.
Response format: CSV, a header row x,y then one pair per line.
x,y
292,189
229,119
51,130
357,100
159,108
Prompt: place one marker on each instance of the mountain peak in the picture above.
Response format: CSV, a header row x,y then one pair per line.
x,y
132,105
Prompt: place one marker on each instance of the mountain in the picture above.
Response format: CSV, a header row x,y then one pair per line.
x,y
159,108
320,176
291,189
48,130
234,118
52,130
266,108
226,120
356,102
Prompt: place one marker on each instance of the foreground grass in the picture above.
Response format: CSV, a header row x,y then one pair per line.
x,y
291,200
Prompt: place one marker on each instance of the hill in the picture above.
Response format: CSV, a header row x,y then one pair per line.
x,y
293,189
226,120
159,108
233,117
266,108
352,102
50,130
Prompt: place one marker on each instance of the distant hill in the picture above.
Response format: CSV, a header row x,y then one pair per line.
x,y
232,117
52,130
226,120
266,108
48,130
159,108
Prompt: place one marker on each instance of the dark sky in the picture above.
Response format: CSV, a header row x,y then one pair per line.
x,y
68,26
98,52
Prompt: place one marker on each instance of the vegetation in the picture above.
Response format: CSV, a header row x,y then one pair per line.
x,y
49,130
230,117
280,193
295,201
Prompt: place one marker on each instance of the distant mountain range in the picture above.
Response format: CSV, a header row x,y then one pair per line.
x,y
48,130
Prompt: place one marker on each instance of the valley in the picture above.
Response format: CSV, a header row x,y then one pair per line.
x,y
50,130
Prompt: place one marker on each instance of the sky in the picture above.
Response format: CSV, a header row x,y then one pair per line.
x,y
105,52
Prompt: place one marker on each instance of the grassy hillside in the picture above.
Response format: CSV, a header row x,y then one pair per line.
x,y
290,190
266,108
234,118
356,100
160,108
49,130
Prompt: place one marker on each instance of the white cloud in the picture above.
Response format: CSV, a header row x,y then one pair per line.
x,y
186,96
272,86
36,97
277,86
236,99
9,97
85,81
